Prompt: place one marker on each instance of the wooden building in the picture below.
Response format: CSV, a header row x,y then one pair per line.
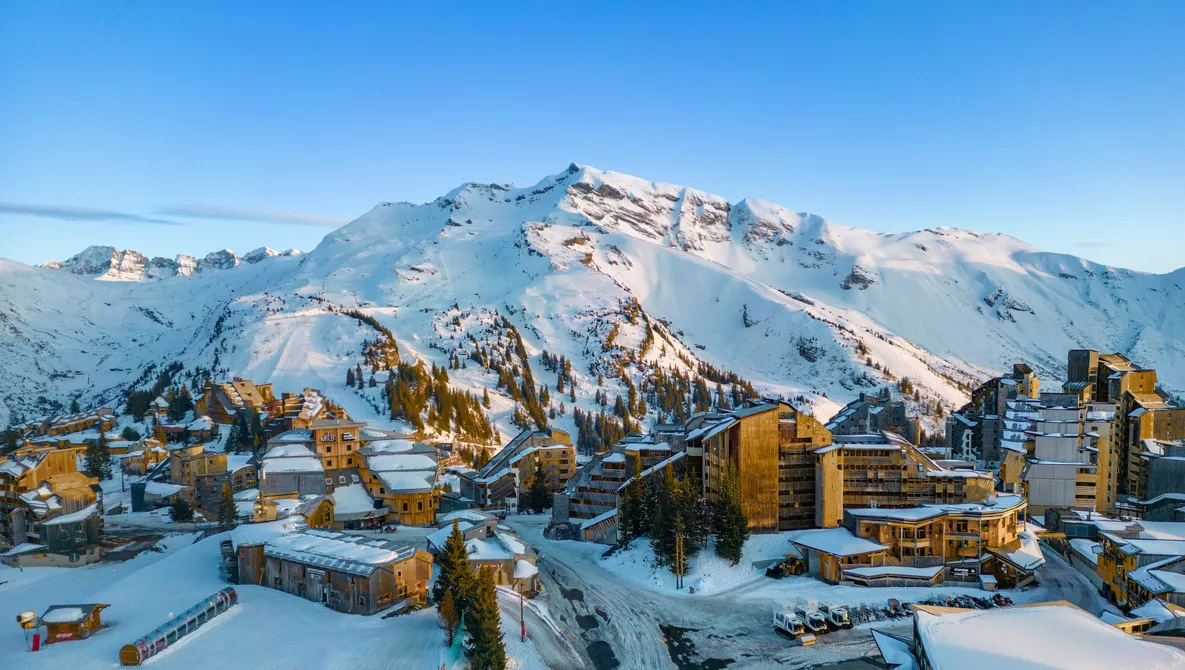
x,y
886,470
347,573
72,622
499,481
404,478
953,542
224,401
771,445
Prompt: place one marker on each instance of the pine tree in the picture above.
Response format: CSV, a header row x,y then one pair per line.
x,y
232,439
446,610
358,375
74,406
455,574
631,523
486,649
350,377
373,382
731,525
9,441
227,514
182,512
538,497
98,458
485,398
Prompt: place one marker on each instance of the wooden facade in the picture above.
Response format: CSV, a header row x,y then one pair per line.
x,y
335,570
772,446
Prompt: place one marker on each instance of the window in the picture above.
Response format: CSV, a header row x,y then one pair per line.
x,y
404,507
329,463
420,506
349,461
328,481
341,479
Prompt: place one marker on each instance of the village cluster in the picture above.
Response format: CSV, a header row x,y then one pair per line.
x,y
1094,470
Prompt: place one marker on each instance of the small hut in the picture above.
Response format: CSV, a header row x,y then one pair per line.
x,y
71,622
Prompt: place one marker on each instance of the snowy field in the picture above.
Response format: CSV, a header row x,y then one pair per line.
x,y
268,629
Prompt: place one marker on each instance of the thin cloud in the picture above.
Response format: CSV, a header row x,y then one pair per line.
x,y
67,213
1091,245
249,214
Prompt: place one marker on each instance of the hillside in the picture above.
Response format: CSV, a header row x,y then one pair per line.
x,y
619,276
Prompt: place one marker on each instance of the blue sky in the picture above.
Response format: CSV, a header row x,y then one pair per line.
x,y
186,127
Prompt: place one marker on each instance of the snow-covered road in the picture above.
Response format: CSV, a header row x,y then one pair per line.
x,y
618,623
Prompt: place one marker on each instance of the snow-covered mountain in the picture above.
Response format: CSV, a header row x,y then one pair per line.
x,y
616,273
127,265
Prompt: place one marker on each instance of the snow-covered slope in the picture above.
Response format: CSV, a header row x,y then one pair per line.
x,y
585,263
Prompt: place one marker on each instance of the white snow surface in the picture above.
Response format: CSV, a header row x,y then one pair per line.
x,y
1032,638
779,297
267,629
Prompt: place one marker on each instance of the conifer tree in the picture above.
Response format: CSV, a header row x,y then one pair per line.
x,y
455,574
98,458
9,442
350,377
538,497
181,510
731,525
227,514
485,398
486,648
446,610
631,522
74,406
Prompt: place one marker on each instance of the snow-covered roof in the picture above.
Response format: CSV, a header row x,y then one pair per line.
x,y
337,551
292,464
1027,555
417,481
74,517
615,457
487,550
524,569
931,510
438,537
351,499
896,652
297,435
588,523
288,451
834,541
1043,637
894,571
236,462
68,613
511,543
400,462
475,516
1154,609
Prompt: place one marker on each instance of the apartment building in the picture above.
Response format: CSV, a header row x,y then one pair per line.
x,y
771,445
886,470
586,506
874,413
980,428
949,542
499,481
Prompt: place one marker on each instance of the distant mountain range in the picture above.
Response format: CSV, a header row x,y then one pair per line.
x,y
581,263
